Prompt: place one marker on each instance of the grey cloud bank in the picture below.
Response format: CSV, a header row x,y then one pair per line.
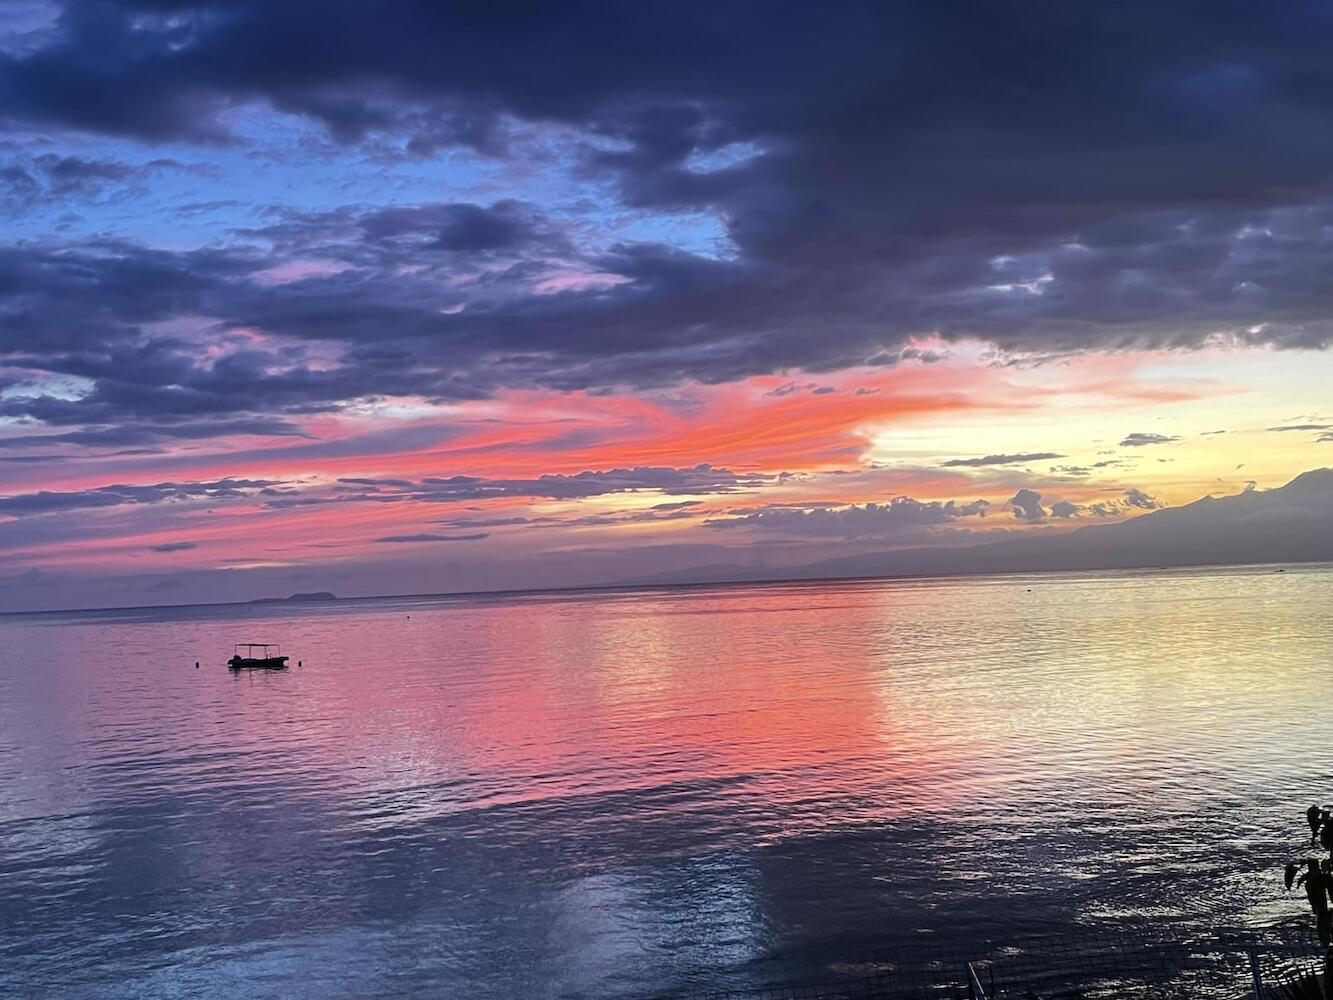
x,y
1293,523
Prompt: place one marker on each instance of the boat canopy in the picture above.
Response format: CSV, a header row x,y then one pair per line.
x,y
263,647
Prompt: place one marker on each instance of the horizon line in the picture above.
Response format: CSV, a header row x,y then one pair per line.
x,y
626,587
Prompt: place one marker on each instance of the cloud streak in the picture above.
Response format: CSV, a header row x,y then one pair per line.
x,y
701,479
57,502
985,460
427,537
863,521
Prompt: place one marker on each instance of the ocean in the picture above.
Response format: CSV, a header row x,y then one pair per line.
x,y
649,792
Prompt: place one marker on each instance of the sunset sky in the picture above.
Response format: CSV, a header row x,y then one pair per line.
x,y
387,298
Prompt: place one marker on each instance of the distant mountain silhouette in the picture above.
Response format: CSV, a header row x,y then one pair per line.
x,y
1292,523
318,595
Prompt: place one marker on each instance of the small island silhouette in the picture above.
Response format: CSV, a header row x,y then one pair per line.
x,y
318,595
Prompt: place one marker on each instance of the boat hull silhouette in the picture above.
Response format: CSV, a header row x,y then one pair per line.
x,y
257,663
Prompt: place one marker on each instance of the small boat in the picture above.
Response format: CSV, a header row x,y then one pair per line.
x,y
270,657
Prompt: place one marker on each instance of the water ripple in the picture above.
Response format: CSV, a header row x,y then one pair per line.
x,y
594,795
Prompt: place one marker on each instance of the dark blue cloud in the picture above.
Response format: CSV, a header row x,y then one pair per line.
x,y
120,436
55,177
1050,179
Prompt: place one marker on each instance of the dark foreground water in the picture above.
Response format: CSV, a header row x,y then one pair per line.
x,y
612,794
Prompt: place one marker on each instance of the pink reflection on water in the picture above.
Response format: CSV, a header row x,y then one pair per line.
x,y
626,788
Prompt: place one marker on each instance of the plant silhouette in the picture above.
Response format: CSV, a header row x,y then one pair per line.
x,y
1318,877
1317,880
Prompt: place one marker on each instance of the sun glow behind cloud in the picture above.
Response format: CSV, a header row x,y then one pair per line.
x,y
799,442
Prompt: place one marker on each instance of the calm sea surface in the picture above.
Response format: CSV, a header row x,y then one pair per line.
x,y
619,794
